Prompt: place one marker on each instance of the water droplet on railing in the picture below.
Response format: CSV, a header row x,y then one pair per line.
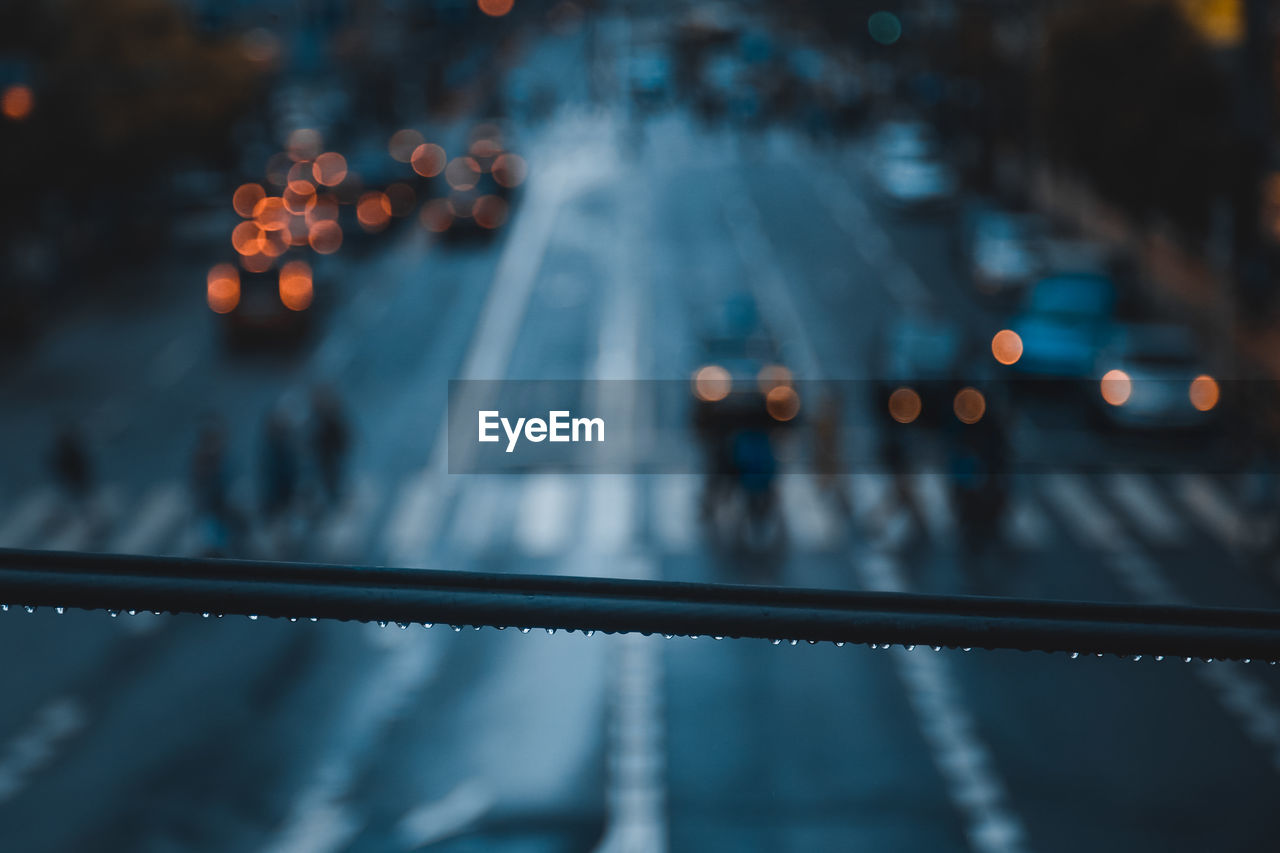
x,y
132,612
253,617
590,633
1186,660
382,623
113,613
524,630
668,636
551,631
30,609
1247,660
1137,657
936,648
839,644
204,615
793,642
4,608
715,637
456,628
59,610
910,648
967,649
1158,658
428,624
293,618
775,641
1075,655
314,619
403,625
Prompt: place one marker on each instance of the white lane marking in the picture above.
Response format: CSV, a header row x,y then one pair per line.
x,y
610,513
897,278
321,818
1206,500
451,814
1148,511
1028,528
162,511
478,523
23,523
675,511
812,522
415,522
931,494
342,535
409,529
991,824
635,793
1240,694
544,514
963,759
36,746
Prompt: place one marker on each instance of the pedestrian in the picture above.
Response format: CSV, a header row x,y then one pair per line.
x,y
330,441
219,524
279,466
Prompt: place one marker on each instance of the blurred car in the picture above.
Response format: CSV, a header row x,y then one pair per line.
x,y
924,355
1065,321
274,307
908,170
1003,250
479,188
1151,376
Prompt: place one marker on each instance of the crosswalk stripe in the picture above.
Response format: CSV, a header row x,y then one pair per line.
x,y
477,525
408,529
344,534
811,520
609,517
160,514
675,511
544,515
1207,502
24,522
930,491
1087,518
1144,506
1028,527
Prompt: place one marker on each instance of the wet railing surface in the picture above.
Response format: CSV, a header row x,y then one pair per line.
x,y
218,587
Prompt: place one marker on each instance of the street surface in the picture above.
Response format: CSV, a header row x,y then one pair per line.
x,y
157,733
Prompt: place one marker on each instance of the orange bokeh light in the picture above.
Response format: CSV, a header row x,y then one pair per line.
x,y
223,288
297,196
329,169
489,211
510,170
257,262
1006,346
295,285
247,238
325,237
712,383
17,102
1204,392
428,160
1116,387
373,211
782,403
271,214
969,405
904,405
321,208
436,216
462,173
246,198
495,8
403,143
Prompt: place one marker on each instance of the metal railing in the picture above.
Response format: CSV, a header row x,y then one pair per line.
x,y
116,582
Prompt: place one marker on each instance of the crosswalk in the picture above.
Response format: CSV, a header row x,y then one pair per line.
x,y
547,515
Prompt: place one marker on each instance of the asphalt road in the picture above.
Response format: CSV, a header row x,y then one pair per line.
x,y
164,733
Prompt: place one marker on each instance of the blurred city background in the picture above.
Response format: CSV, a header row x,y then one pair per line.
x,y
247,245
